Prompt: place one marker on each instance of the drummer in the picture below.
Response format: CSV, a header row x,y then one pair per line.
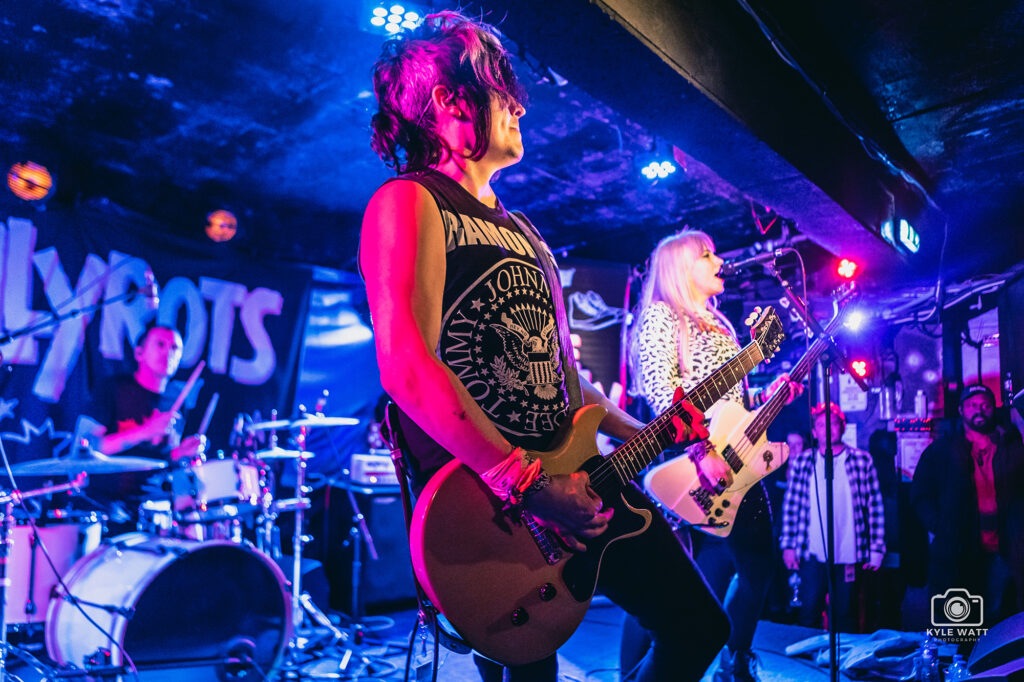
x,y
135,408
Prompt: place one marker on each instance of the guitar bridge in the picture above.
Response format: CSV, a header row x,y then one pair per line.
x,y
546,541
702,497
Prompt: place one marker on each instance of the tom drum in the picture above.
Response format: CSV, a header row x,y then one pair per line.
x,y
30,578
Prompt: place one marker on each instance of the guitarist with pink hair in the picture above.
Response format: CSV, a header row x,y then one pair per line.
x,y
468,323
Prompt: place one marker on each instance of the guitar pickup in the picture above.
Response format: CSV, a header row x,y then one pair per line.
x,y
732,458
702,497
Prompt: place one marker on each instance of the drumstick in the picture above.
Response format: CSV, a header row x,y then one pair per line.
x,y
205,424
188,386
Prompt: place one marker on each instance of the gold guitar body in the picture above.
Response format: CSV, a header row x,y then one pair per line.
x,y
485,572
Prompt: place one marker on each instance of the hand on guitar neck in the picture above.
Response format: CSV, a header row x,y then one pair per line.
x,y
781,382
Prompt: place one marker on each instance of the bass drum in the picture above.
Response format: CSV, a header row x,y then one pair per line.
x,y
212,608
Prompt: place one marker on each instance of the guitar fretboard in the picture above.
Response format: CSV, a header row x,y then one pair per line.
x,y
770,410
638,452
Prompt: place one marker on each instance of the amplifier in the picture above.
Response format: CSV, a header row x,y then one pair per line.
x,y
373,469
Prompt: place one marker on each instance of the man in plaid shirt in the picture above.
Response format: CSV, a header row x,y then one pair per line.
x,y
859,523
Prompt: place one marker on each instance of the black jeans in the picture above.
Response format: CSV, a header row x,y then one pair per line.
x,y
740,568
844,597
652,577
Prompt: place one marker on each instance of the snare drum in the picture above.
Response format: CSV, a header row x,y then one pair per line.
x,y
30,580
232,522
173,606
201,485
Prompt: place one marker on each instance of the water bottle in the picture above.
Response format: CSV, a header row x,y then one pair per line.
x,y
957,670
915,671
921,405
929,670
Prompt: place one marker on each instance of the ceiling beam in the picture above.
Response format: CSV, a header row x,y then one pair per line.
x,y
701,75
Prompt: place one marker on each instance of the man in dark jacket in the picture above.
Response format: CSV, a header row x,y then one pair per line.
x,y
968,491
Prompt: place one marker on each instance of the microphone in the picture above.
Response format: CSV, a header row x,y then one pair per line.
x,y
1018,402
731,267
150,291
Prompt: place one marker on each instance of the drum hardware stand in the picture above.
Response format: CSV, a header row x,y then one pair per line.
x,y
357,535
302,603
352,663
7,503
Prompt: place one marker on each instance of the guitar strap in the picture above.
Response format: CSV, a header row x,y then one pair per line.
x,y
547,264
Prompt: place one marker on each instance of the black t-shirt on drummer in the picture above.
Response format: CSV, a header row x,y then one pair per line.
x,y
122,401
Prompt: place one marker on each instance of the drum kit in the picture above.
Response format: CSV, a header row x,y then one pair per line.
x,y
196,585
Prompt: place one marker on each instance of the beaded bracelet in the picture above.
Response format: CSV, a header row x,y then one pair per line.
x,y
542,481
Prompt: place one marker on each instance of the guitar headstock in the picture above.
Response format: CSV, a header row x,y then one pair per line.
x,y
843,296
766,330
845,293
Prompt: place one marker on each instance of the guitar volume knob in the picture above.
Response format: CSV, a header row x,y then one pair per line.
x,y
547,592
520,616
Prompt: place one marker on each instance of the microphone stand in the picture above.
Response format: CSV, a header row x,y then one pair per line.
x,y
833,355
55,320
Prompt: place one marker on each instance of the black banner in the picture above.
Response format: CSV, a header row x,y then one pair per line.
x,y
86,267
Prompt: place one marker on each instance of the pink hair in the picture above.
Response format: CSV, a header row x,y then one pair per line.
x,y
449,50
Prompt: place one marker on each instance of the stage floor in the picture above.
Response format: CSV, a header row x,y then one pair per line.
x,y
591,655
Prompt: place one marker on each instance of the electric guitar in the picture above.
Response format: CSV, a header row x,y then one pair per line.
x,y
738,435
507,584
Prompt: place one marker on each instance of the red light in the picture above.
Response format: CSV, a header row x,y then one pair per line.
x,y
860,368
846,268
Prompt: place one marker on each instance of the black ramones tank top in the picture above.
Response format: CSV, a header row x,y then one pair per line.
x,y
498,330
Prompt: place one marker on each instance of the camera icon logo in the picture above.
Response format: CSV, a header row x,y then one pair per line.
x,y
957,607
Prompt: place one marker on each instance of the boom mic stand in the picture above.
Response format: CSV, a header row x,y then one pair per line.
x,y
834,355
149,293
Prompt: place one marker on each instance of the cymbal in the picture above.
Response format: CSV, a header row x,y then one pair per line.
x,y
281,453
271,425
312,420
91,463
308,421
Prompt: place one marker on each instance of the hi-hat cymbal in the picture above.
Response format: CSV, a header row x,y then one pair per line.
x,y
91,463
312,421
281,453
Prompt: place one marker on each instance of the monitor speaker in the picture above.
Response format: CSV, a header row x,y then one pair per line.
x,y
1001,645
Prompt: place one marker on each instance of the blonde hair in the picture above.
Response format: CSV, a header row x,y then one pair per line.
x,y
668,281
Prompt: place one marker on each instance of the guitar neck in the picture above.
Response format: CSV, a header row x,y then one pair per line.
x,y
638,452
770,410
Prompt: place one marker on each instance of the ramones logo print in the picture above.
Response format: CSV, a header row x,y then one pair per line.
x,y
501,340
